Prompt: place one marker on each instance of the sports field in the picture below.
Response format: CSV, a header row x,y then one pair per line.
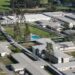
x,y
4,5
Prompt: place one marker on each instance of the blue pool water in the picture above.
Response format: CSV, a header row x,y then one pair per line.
x,y
34,37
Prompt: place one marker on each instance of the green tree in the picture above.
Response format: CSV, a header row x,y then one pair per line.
x,y
43,2
50,48
26,33
26,29
24,3
51,7
17,33
68,1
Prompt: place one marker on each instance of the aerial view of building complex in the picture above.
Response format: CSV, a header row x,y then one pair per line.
x,y
37,37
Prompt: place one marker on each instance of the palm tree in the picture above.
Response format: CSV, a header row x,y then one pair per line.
x,y
20,17
26,33
16,28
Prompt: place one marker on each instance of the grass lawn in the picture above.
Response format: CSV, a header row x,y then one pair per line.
x,y
71,53
4,5
33,30
2,38
41,32
9,30
5,60
14,49
2,73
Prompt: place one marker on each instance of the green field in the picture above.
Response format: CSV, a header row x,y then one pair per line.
x,y
4,5
2,73
5,60
33,30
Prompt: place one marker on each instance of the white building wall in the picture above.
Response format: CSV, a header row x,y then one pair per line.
x,y
3,54
66,60
67,49
59,60
71,25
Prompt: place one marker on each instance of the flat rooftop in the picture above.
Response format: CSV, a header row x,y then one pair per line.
x,y
36,17
65,65
71,16
57,53
69,72
53,14
31,66
10,19
40,47
66,44
69,32
51,24
44,40
60,54
65,19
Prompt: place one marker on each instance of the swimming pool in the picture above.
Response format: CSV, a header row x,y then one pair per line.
x,y
34,37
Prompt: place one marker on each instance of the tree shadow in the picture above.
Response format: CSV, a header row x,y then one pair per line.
x,y
7,1
7,5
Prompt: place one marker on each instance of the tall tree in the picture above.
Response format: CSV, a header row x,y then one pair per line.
x,y
26,33
17,32
50,48
43,2
68,1
24,3
26,29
